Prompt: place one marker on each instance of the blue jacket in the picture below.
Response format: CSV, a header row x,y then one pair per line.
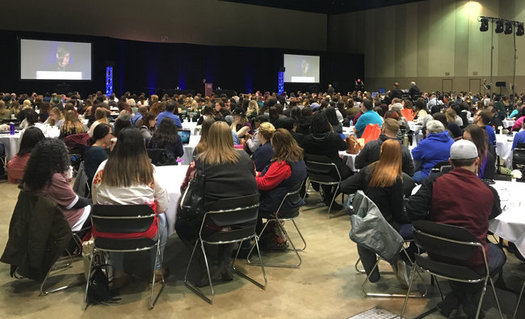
x,y
518,138
172,116
370,117
491,134
432,150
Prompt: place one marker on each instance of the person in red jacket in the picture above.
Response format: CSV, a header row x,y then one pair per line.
x,y
444,199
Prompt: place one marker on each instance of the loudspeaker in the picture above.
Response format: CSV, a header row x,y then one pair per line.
x,y
501,84
282,69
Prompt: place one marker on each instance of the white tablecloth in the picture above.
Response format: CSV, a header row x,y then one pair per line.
x,y
510,224
348,159
504,148
171,177
12,143
188,149
508,123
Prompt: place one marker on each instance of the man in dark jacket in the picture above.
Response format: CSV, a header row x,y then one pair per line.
x,y
442,198
370,153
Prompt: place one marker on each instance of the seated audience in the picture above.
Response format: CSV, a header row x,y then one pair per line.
x,y
71,125
382,182
167,139
228,173
369,116
442,199
171,106
434,149
453,127
487,153
253,142
262,156
5,113
97,152
518,124
370,153
240,124
286,171
49,174
519,138
17,165
146,125
323,141
100,117
203,142
127,177
482,119
55,118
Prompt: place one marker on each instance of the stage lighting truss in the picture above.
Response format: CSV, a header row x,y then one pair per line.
x,y
502,25
508,27
499,26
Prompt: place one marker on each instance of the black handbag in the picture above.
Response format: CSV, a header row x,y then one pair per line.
x,y
192,202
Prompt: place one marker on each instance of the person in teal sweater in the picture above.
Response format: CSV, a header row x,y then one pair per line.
x,y
369,117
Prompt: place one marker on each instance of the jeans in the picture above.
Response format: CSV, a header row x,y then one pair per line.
x,y
117,259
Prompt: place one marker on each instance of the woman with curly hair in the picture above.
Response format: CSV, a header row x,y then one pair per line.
x,y
48,174
72,124
166,138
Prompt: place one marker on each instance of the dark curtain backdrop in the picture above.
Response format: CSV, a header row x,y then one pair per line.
x,y
152,67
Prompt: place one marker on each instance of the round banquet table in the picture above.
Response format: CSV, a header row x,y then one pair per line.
x,y
510,224
171,178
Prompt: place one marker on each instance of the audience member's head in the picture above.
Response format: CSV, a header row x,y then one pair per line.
x,y
30,138
390,127
102,133
434,127
49,156
320,124
220,145
463,153
478,136
285,147
266,131
128,164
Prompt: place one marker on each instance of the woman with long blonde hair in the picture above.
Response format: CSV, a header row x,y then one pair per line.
x,y
72,124
228,173
382,182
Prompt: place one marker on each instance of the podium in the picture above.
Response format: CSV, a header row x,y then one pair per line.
x,y
208,89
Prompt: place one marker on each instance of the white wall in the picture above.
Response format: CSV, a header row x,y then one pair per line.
x,y
209,22
429,41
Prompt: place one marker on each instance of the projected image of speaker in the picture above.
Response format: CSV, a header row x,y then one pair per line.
x,y
301,68
54,60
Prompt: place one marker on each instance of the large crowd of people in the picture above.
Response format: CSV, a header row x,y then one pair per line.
x,y
258,143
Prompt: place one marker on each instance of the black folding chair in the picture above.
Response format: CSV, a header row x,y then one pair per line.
x,y
237,218
451,243
518,156
280,220
124,219
323,171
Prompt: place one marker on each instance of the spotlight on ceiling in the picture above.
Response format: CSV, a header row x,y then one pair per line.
x,y
499,26
484,24
519,29
508,27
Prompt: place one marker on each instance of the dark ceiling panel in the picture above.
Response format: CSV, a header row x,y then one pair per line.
x,y
325,6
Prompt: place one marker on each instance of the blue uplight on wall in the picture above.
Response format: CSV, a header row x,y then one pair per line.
x,y
109,80
280,83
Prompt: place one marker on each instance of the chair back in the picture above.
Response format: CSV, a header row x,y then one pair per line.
x,y
122,219
115,223
294,195
437,167
446,240
518,156
236,216
320,168
161,157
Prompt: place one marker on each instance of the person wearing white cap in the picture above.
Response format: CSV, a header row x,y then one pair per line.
x,y
460,198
